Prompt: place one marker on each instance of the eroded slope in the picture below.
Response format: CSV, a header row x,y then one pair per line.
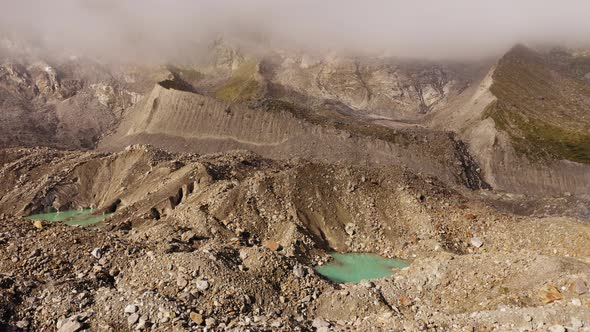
x,y
236,251
184,121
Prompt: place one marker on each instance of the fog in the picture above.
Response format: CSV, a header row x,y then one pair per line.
x,y
165,29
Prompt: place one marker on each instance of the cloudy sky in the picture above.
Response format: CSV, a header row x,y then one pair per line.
x,y
427,28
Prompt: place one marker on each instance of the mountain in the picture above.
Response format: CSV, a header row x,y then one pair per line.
x,y
212,193
528,116
185,121
475,123
542,105
247,232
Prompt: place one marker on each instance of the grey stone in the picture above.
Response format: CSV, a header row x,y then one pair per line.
x,y
299,271
203,284
97,253
243,255
131,309
142,324
188,236
476,242
367,283
350,229
319,323
576,323
210,322
556,328
580,287
71,326
181,282
22,324
133,319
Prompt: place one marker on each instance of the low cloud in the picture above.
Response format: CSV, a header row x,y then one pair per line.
x,y
168,29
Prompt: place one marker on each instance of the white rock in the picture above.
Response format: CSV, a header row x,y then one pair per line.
x,y
556,328
319,323
476,242
97,253
350,229
131,309
71,326
299,271
367,283
210,322
132,319
576,323
22,324
203,284
142,324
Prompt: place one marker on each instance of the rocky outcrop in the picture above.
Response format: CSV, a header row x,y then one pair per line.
x,y
65,103
128,179
226,58
184,121
17,79
387,87
524,156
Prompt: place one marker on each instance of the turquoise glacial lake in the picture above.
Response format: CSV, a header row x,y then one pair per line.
x,y
354,267
72,217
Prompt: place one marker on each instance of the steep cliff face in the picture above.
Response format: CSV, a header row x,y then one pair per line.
x,y
402,89
527,122
388,87
527,115
184,121
43,180
543,108
65,103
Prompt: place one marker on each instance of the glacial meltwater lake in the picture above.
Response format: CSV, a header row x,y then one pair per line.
x,y
354,267
83,217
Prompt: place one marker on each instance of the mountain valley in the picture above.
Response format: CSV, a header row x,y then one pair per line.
x,y
220,185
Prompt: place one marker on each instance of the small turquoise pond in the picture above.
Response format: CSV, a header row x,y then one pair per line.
x,y
73,217
354,267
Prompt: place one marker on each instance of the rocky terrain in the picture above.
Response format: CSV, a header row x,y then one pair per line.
x,y
528,116
229,242
189,122
224,183
68,104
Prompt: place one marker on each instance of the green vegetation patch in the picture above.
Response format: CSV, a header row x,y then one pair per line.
x,y
242,86
540,140
543,109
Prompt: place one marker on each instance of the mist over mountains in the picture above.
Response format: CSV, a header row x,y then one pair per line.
x,y
162,30
176,165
